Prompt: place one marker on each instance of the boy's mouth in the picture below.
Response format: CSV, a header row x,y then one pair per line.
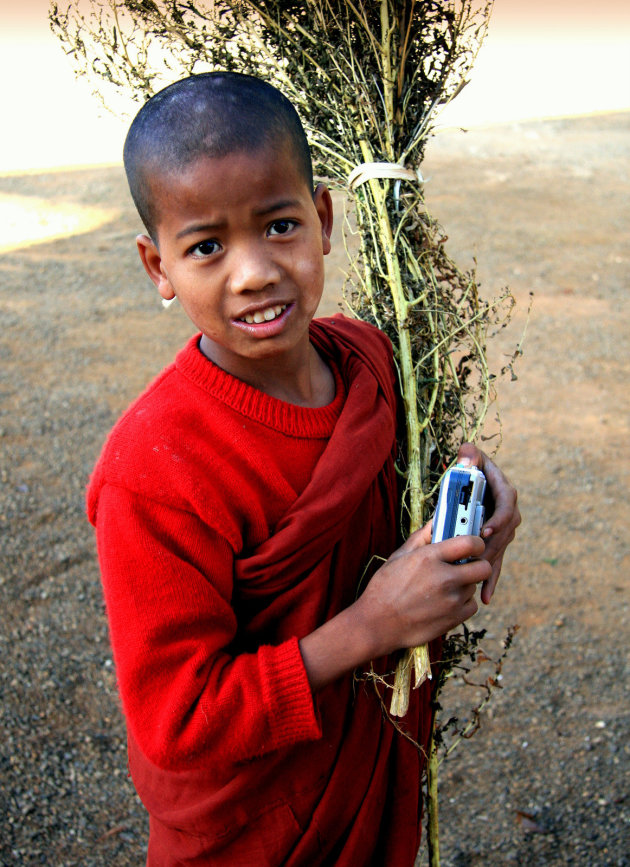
x,y
267,314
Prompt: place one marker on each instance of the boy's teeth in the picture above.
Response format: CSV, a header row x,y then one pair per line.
x,y
264,315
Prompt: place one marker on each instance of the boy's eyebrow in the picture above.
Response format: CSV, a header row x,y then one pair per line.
x,y
197,228
259,212
277,206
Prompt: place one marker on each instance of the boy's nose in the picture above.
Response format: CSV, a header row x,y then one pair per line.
x,y
252,269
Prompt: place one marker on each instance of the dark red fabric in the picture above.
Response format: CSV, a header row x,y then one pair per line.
x,y
230,525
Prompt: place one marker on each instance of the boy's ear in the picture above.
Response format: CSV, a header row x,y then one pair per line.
x,y
152,261
324,207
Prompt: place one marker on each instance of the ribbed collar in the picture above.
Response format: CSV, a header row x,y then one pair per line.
x,y
272,412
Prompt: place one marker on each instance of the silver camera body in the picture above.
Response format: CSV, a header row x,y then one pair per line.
x,y
460,510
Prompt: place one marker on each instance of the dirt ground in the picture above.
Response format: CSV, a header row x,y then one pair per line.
x,y
544,207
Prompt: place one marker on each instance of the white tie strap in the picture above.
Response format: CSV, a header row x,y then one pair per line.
x,y
393,171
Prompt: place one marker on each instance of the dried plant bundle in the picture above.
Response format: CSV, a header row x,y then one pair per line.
x,y
368,78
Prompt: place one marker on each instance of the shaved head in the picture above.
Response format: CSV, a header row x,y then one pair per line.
x,y
209,115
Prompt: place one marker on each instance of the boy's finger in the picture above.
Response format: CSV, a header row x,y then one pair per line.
x,y
419,538
503,522
489,586
425,533
476,572
469,455
504,495
460,548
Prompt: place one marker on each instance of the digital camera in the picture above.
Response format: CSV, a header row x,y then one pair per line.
x,y
460,510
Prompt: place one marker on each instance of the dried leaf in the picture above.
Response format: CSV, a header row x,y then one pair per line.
x,y
529,824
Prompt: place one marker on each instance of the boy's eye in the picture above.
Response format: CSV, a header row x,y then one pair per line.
x,y
205,248
281,227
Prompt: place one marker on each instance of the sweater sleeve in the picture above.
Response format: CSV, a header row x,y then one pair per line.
x,y
167,581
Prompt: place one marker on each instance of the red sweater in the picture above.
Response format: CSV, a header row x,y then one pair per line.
x,y
229,525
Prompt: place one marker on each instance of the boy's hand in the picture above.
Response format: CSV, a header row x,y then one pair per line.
x,y
499,529
422,592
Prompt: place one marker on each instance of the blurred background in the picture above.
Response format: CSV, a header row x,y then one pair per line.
x,y
542,58
536,194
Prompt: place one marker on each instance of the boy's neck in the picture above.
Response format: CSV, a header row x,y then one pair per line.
x,y
305,380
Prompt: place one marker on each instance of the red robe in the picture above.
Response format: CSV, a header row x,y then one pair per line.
x,y
229,525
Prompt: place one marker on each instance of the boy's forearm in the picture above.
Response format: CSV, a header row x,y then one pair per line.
x,y
337,647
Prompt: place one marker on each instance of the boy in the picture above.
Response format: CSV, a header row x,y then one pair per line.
x,y
239,503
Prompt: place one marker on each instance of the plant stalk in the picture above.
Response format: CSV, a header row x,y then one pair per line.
x,y
433,829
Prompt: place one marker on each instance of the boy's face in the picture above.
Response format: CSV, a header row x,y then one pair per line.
x,y
241,242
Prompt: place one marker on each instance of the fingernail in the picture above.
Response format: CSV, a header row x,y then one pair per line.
x,y
464,462
487,531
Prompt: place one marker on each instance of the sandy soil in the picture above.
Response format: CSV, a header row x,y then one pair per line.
x,y
543,207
